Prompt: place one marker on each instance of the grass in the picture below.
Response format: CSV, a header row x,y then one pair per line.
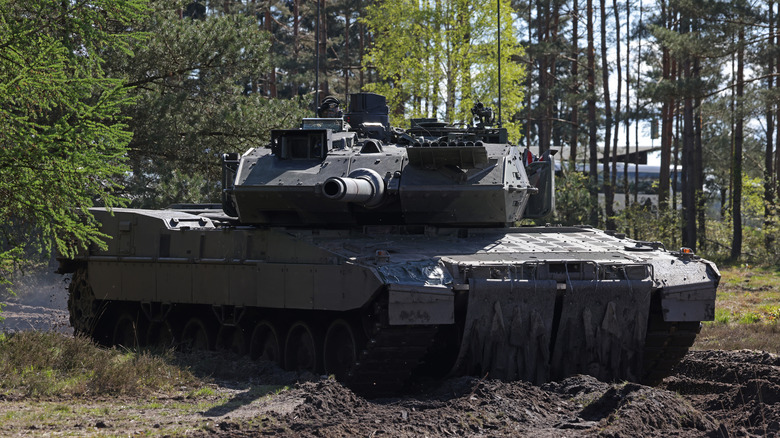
x,y
747,311
748,295
41,364
738,336
56,384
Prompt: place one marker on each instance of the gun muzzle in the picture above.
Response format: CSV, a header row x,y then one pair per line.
x,y
363,186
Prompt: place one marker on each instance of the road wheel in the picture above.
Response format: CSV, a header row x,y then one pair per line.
x,y
264,344
340,351
128,332
231,339
301,352
160,335
196,336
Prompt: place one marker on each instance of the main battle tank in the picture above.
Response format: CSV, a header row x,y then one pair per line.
x,y
379,255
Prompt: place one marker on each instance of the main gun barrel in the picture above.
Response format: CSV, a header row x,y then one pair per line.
x,y
363,186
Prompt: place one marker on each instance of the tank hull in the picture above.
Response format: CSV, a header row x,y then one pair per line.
x,y
379,305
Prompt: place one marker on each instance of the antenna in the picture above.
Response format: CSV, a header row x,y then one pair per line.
x,y
498,13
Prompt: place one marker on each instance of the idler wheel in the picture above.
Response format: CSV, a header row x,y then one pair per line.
x,y
300,349
127,332
196,336
340,352
160,334
264,344
231,339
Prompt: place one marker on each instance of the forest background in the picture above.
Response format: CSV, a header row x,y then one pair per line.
x,y
131,103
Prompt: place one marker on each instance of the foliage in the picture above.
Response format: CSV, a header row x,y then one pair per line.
x,y
761,245
572,205
439,58
194,101
62,134
644,221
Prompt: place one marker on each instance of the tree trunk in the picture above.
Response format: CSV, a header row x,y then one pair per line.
x,y
769,184
347,61
592,133
529,86
688,170
609,196
626,118
361,41
618,101
324,89
667,121
271,80
736,160
296,40
552,77
636,126
542,20
575,106
776,183
698,159
676,150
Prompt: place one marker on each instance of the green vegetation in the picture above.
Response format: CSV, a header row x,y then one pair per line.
x,y
50,383
572,205
116,102
64,136
747,311
205,105
48,364
718,336
434,56
748,295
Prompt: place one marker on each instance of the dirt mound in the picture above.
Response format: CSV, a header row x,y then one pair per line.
x,y
711,394
578,406
741,389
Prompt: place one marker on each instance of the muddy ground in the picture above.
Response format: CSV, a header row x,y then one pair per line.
x,y
711,394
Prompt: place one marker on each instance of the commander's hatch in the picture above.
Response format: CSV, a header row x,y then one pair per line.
x,y
301,144
334,124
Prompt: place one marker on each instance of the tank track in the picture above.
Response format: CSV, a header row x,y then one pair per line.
x,y
665,346
388,360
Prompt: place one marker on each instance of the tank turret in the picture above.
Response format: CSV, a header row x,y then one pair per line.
x,y
358,170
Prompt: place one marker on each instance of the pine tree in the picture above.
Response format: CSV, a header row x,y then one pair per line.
x,y
62,133
438,59
201,88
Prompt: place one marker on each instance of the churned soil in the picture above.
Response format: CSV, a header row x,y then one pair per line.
x,y
738,389
711,394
